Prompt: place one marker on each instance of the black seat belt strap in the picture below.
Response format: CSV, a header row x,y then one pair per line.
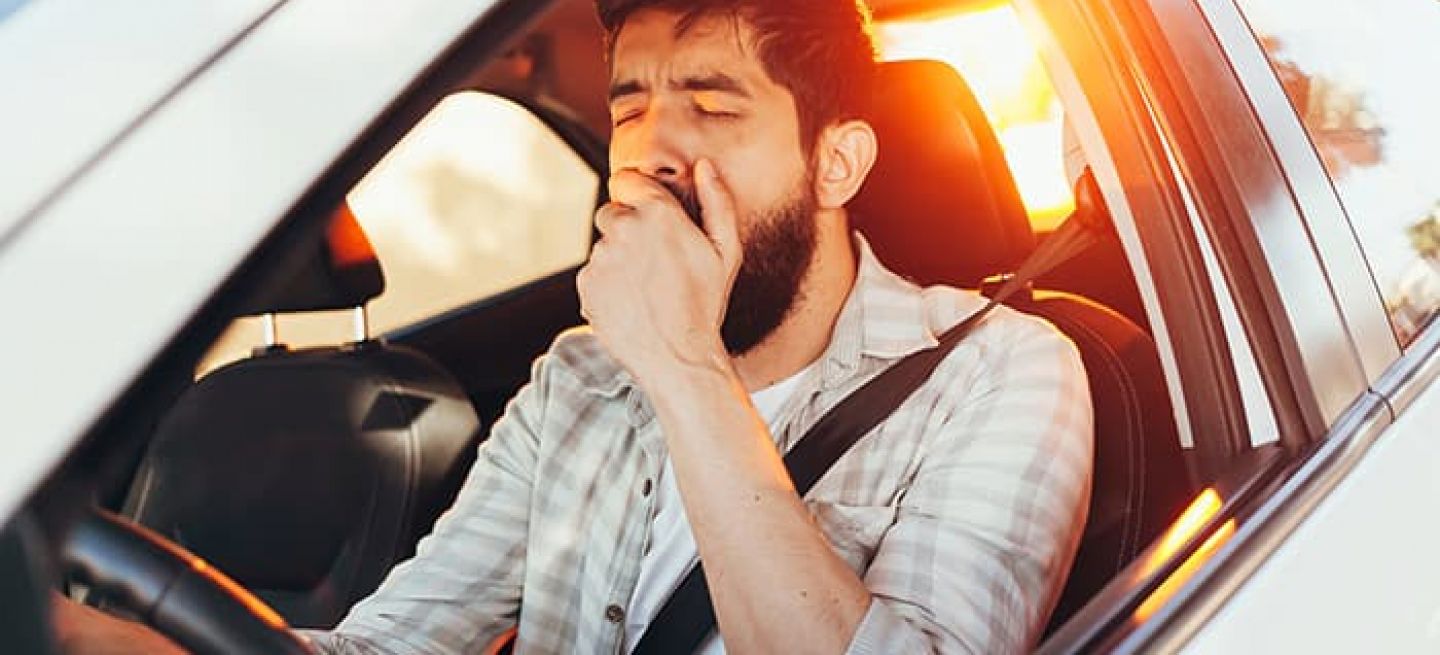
x,y
688,617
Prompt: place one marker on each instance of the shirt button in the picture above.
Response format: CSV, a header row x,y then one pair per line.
x,y
645,488
614,614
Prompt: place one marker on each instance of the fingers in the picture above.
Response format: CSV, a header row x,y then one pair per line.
x,y
631,187
717,209
608,217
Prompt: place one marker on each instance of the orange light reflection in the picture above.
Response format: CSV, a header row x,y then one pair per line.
x,y
1191,521
992,51
249,600
1166,590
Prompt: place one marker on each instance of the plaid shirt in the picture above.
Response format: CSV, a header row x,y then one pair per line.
x,y
961,512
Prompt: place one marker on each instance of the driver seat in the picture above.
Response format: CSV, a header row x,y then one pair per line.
x,y
941,207
307,474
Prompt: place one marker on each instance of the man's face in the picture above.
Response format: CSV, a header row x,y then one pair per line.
x,y
677,98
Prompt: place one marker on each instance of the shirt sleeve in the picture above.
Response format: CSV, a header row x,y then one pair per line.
x,y
462,588
986,533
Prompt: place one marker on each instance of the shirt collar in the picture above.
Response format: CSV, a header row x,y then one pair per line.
x,y
883,317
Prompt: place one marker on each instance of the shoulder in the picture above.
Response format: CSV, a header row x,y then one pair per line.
x,y
1007,337
577,359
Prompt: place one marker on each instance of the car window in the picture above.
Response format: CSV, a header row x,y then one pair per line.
x,y
1359,73
480,197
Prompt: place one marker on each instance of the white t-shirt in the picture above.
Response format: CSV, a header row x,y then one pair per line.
x,y
672,545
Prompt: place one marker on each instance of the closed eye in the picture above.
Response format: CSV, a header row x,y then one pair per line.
x,y
715,114
626,118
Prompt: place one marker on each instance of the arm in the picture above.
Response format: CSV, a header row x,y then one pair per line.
x,y
800,596
85,630
1002,494
463,587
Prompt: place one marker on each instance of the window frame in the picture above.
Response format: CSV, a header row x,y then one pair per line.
x,y
1142,60
1318,202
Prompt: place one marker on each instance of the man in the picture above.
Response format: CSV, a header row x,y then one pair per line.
x,y
729,306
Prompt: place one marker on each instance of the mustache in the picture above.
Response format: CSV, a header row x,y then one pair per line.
x,y
688,198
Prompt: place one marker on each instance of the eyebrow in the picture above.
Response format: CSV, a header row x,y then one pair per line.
x,y
712,82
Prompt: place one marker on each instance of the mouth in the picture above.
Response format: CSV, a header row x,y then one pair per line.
x,y
688,198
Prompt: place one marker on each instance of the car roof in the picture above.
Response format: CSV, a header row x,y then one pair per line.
x,y
149,199
78,74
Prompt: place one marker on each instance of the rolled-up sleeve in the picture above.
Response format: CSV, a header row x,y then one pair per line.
x,y
462,589
985,535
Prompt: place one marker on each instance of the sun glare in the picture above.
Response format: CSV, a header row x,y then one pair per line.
x,y
992,51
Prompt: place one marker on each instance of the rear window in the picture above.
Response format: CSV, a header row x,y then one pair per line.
x,y
1361,75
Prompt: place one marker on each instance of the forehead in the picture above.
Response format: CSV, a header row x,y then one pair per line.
x,y
651,45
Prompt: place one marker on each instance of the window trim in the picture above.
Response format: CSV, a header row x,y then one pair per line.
x,y
1318,202
1254,219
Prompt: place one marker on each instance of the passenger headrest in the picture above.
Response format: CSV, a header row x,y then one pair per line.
x,y
940,205
339,271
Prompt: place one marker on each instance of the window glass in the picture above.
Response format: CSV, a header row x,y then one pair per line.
x,y
1361,74
480,197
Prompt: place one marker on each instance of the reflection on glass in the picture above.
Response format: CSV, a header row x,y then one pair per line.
x,y
1361,75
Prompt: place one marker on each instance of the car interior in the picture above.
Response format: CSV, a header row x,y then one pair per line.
x,y
306,472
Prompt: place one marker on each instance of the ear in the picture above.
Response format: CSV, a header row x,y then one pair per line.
x,y
845,153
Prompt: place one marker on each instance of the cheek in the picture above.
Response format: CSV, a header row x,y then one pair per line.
x,y
761,180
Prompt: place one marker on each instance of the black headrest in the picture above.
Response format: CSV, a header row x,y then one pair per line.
x,y
940,206
339,271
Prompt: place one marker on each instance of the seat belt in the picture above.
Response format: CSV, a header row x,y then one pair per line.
x,y
688,617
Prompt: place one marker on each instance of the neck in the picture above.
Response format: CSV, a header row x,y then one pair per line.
x,y
805,333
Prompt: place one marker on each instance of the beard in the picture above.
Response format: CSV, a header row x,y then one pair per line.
x,y
777,254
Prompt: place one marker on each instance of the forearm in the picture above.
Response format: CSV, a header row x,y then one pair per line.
x,y
84,630
777,585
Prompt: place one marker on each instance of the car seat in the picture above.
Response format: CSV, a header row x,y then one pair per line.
x,y
941,206
307,474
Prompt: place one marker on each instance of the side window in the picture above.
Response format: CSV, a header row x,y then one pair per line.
x,y
1360,75
480,197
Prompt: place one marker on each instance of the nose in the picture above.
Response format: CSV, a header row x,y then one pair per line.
x,y
653,144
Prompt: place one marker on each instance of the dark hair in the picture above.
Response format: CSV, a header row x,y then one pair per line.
x,y
821,51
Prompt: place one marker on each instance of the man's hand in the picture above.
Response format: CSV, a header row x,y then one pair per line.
x,y
83,630
656,288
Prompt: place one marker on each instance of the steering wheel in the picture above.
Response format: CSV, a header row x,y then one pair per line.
x,y
174,591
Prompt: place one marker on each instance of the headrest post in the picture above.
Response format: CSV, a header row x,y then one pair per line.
x,y
362,324
272,330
